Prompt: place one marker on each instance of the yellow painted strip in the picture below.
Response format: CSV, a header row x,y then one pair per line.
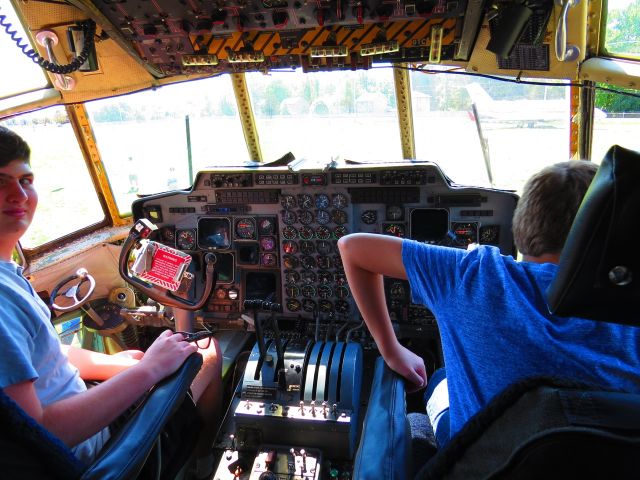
x,y
84,133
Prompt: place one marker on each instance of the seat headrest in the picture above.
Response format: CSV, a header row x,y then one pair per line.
x,y
599,271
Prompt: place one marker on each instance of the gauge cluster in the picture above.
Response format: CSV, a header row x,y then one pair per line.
x,y
314,281
275,232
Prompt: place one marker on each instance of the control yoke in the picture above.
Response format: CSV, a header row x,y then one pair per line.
x,y
141,231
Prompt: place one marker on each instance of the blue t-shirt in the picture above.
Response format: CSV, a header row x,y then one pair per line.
x,y
496,328
30,350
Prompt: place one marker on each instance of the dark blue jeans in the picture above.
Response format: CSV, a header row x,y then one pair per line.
x,y
436,401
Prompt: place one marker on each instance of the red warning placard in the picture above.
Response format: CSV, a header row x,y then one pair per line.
x,y
167,267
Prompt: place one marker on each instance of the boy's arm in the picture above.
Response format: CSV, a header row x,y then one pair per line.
x,y
366,259
99,366
80,416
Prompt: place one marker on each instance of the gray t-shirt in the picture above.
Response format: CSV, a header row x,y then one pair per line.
x,y
30,350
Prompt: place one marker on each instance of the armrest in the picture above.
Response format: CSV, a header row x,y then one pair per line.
x,y
125,454
384,450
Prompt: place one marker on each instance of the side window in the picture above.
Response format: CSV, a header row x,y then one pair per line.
x,y
25,75
616,121
623,28
68,202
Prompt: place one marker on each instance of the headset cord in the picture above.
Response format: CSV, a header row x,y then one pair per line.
x,y
89,30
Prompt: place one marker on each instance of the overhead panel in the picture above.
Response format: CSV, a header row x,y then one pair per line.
x,y
199,36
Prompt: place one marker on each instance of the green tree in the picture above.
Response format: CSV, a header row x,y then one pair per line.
x,y
275,93
623,30
347,103
612,102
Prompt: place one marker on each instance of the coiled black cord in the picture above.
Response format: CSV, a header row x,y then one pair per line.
x,y
89,30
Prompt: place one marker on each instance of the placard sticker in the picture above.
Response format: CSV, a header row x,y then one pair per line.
x,y
161,265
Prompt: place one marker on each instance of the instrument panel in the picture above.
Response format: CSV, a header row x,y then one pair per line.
x,y
274,231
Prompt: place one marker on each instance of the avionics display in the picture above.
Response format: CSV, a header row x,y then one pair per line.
x,y
429,225
224,267
214,233
261,286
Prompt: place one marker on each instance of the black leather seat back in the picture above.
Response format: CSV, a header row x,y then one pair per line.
x,y
545,428
599,275
28,451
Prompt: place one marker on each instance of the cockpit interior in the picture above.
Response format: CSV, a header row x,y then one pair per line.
x,y
169,219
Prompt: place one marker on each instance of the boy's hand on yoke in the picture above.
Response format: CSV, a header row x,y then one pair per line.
x,y
166,354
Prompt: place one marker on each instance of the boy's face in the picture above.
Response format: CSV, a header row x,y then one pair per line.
x,y
18,201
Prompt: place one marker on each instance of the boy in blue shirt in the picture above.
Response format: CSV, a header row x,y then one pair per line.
x,y
491,311
45,377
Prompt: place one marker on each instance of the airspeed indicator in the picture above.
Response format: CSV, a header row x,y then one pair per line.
x,y
246,228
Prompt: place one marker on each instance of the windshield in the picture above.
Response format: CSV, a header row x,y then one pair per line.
x,y
326,115
156,141
488,132
25,75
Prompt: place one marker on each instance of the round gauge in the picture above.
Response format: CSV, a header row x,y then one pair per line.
x,y
324,262
340,231
396,291
308,291
339,201
288,217
267,243
266,226
323,247
288,201
323,233
290,233
221,293
466,233
308,276
337,262
291,277
322,217
246,228
369,217
393,229
338,217
322,201
307,247
289,247
305,201
324,277
342,292
308,305
168,235
489,234
293,305
325,306
305,217
306,232
394,212
340,279
186,239
324,291
292,291
308,262
290,262
342,306
268,260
